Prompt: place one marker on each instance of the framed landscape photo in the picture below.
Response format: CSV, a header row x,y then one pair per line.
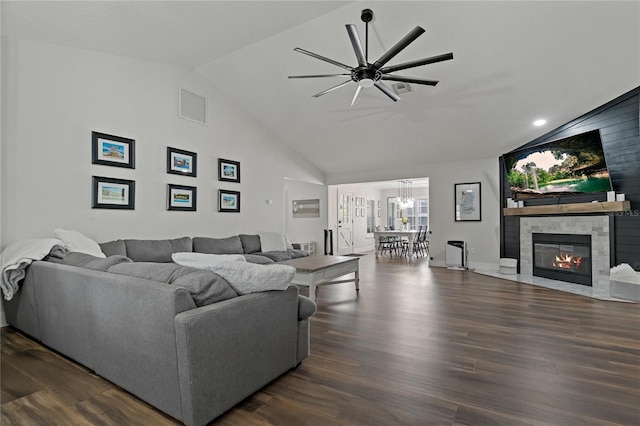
x,y
467,202
228,170
109,150
228,201
180,162
111,193
180,197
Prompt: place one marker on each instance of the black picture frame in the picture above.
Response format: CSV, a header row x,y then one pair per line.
x,y
228,201
110,150
228,170
181,162
112,193
182,198
467,202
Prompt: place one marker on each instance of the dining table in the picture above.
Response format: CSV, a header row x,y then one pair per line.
x,y
408,234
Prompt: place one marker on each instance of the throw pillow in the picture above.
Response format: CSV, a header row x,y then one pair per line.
x,y
202,260
76,241
272,241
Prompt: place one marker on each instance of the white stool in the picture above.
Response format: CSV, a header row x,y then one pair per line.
x,y
508,266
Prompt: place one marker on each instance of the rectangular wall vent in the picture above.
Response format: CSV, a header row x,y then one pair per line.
x,y
401,88
193,107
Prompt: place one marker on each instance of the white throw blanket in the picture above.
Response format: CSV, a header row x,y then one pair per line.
x,y
244,277
17,256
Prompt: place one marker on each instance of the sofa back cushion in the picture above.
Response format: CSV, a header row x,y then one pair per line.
x,y
230,245
250,243
156,250
114,248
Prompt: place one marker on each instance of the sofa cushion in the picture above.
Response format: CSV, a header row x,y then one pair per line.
x,y
156,250
257,258
250,243
204,286
86,261
230,245
279,256
112,248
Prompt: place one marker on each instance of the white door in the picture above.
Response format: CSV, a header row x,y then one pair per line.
x,y
344,223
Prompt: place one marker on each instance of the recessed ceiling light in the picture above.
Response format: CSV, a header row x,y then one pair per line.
x,y
539,122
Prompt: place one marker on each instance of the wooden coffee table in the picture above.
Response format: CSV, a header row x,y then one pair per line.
x,y
314,271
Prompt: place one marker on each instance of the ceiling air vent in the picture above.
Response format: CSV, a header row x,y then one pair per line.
x,y
193,107
401,88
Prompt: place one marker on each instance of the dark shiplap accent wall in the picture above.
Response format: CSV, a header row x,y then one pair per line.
x,y
619,125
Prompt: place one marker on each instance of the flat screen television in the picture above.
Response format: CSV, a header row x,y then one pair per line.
x,y
573,165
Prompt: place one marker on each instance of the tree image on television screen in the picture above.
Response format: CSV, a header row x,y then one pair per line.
x,y
567,166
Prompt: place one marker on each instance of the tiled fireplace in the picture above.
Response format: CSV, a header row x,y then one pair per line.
x,y
593,266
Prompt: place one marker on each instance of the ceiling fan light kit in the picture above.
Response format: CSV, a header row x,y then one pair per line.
x,y
367,74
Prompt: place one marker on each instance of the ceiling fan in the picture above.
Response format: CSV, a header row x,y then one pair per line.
x,y
367,74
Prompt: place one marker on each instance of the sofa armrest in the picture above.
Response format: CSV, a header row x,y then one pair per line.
x,y
232,348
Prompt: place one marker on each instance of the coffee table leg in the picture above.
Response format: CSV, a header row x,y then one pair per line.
x,y
312,292
357,279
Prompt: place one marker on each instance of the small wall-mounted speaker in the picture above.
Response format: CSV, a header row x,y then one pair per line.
x,y
193,107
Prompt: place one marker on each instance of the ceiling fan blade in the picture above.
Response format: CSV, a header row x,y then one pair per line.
x,y
322,58
417,63
387,91
318,75
357,46
409,80
356,96
406,40
331,89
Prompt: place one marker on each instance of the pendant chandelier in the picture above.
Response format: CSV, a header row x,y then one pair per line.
x,y
405,194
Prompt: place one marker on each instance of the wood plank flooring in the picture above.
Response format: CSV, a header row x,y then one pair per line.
x,y
417,346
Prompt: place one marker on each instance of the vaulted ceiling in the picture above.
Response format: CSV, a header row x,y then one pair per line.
x,y
514,62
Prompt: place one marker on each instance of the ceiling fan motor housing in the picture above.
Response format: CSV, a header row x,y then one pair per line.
x,y
365,73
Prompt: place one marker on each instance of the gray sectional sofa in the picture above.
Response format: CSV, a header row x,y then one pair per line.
x,y
177,337
161,250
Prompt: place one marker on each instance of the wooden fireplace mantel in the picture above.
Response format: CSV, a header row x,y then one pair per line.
x,y
559,209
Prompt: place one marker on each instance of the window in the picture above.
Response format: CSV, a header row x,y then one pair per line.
x,y
418,215
371,221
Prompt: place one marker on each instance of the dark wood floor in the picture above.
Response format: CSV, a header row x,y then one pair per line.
x,y
418,346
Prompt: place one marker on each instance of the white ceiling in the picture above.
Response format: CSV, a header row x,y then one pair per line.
x,y
514,62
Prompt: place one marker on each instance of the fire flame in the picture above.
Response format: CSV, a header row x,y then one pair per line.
x,y
566,261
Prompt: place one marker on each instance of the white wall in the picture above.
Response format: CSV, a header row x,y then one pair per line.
x,y
54,97
58,95
483,237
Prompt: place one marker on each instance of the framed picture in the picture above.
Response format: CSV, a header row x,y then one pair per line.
x,y
110,150
180,162
228,201
180,197
111,193
467,201
228,170
305,208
